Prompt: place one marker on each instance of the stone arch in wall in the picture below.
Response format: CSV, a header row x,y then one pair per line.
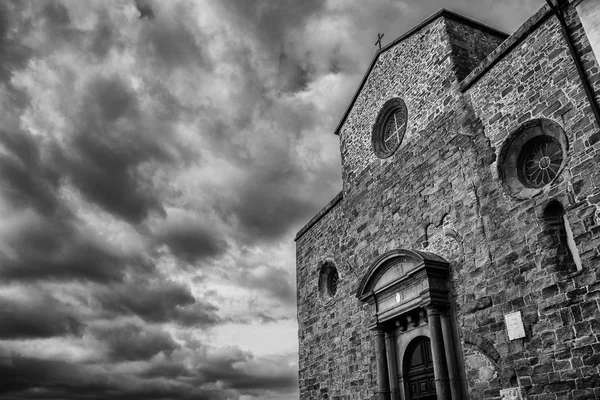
x,y
483,344
484,367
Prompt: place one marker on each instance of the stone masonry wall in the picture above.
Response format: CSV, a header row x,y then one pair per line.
x,y
440,192
560,355
337,358
470,46
424,84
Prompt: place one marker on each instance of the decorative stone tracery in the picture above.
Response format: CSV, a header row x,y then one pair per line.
x,y
532,157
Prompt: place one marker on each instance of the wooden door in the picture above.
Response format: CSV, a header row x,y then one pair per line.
x,y
419,370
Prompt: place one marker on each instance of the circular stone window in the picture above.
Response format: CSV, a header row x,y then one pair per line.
x,y
539,161
389,127
328,280
532,158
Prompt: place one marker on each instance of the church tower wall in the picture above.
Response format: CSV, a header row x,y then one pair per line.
x,y
537,80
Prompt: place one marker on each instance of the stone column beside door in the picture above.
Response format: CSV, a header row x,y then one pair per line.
x,y
383,383
438,354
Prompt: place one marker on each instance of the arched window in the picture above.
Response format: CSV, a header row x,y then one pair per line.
x,y
557,239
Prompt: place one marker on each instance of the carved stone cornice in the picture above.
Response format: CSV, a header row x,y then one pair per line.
x,y
403,281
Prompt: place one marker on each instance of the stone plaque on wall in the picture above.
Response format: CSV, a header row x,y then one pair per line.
x,y
511,394
514,325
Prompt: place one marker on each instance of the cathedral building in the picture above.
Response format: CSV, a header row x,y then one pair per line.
x,y
462,258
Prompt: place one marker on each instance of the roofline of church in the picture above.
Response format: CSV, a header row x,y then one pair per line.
x,y
506,47
320,215
442,13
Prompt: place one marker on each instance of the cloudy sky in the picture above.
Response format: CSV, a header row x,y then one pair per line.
x,y
156,161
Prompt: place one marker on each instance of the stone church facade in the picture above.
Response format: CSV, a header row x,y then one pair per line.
x,y
462,257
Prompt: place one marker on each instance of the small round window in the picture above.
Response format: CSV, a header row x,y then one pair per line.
x,y
328,280
532,158
389,127
332,282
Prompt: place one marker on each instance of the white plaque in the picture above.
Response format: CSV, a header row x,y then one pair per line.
x,y
398,298
511,394
514,325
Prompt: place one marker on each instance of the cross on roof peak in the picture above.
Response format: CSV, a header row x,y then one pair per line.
x,y
379,37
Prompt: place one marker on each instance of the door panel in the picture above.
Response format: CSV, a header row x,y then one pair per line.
x,y
419,370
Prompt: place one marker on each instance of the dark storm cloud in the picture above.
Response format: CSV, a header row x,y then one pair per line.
x,y
192,241
56,13
283,380
26,181
226,367
277,282
175,45
159,301
103,139
201,314
34,378
272,21
133,342
110,144
103,39
55,18
145,9
232,370
23,373
38,316
269,204
269,218
153,301
13,23
293,75
273,25
269,201
167,369
251,96
103,159
170,41
43,249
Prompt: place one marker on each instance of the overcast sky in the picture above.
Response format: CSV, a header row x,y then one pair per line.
x,y
156,160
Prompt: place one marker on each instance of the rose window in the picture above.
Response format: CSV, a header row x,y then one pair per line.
x,y
532,158
540,161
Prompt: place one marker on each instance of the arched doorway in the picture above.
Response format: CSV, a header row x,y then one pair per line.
x,y
418,367
408,294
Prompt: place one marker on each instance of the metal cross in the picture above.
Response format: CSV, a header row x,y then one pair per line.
x,y
378,42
